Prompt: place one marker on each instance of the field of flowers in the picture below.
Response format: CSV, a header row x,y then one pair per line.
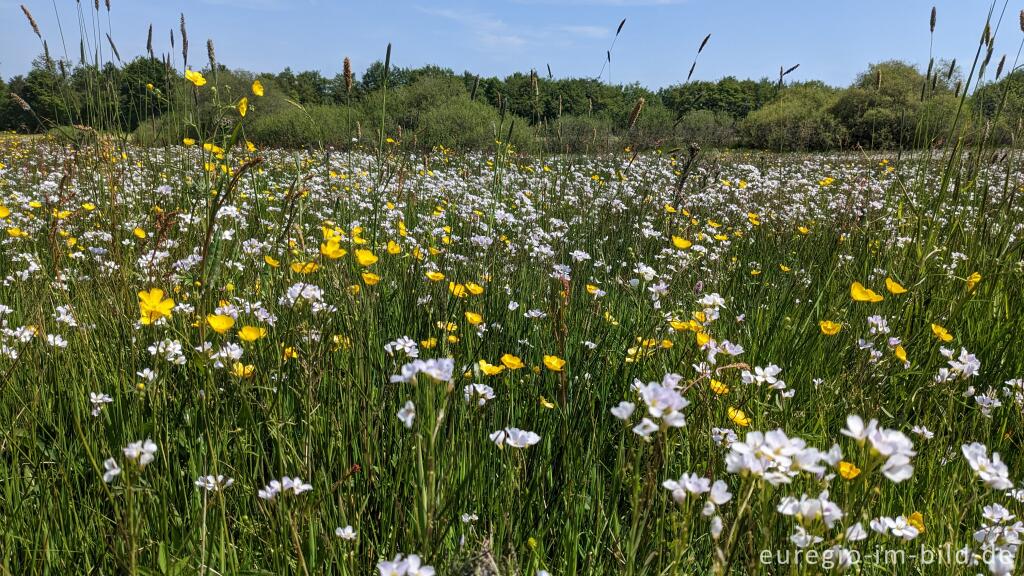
x,y
219,359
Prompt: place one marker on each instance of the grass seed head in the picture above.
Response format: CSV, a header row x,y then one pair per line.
x,y
35,26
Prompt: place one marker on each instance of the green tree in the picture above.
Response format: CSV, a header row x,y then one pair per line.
x,y
883,108
145,90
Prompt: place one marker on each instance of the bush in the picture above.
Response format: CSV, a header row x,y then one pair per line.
x,y
167,130
655,127
407,105
798,119
294,127
578,134
465,125
707,128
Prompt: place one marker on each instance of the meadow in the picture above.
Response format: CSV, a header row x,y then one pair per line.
x,y
258,361
368,357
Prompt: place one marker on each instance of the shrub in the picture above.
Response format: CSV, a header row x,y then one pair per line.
x,y
798,119
578,134
295,127
707,128
464,124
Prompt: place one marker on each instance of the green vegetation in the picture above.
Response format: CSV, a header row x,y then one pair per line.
x,y
886,107
309,336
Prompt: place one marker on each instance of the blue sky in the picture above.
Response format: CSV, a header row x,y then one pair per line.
x,y
832,40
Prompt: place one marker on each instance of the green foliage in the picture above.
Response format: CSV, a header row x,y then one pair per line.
x,y
145,84
798,119
654,128
1000,106
578,134
884,107
891,105
302,127
466,125
407,105
736,98
707,128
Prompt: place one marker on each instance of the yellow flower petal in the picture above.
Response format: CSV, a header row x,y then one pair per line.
x,y
861,294
554,363
220,323
894,287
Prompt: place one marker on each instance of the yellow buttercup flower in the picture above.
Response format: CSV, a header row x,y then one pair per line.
x,y
251,333
365,257
718,387
490,369
894,287
545,403
474,318
848,470
257,88
830,328
738,417
153,306
305,267
941,333
474,288
4,212
394,247
240,370
195,77
861,294
371,279
139,233
243,106
900,353
554,363
332,250
973,280
220,323
917,521
435,276
512,362
681,243
271,261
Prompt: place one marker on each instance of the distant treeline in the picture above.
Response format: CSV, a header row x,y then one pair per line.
x,y
890,105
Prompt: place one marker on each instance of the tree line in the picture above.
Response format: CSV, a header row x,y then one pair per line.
x,y
890,105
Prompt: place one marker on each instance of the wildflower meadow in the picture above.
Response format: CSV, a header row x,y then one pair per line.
x,y
218,357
